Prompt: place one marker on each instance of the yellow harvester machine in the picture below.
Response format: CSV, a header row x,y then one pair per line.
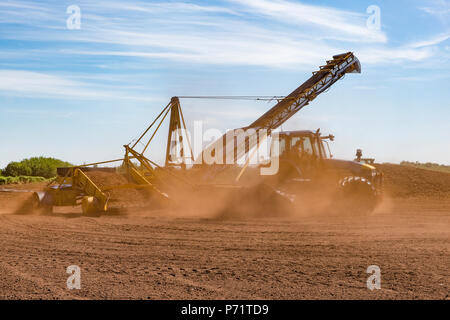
x,y
163,182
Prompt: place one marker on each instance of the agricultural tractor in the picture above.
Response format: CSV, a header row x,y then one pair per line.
x,y
305,163
306,166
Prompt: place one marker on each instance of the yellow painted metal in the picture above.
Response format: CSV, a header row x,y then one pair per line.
x,y
151,125
368,166
145,176
177,126
139,178
101,162
159,125
82,182
247,162
136,175
127,186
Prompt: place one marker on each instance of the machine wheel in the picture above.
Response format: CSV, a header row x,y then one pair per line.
x,y
89,206
42,202
257,201
38,202
357,195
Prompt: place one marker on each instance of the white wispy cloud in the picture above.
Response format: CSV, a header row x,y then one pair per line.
x,y
249,32
394,55
338,24
36,113
438,8
224,51
431,42
166,7
20,5
25,13
274,34
39,84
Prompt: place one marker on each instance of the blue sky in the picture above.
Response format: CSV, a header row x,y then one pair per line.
x,y
79,95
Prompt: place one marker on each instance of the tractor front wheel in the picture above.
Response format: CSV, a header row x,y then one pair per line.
x,y
89,206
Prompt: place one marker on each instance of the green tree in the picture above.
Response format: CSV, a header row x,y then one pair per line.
x,y
14,169
36,166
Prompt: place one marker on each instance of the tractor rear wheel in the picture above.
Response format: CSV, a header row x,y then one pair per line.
x,y
42,202
35,205
357,195
255,202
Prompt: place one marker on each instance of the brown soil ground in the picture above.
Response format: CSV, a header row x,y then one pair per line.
x,y
161,254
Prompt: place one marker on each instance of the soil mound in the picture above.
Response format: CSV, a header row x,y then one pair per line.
x,y
404,182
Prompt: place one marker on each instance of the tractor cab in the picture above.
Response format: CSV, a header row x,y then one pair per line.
x,y
302,154
305,156
302,144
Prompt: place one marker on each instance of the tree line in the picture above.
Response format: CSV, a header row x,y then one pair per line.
x,y
34,167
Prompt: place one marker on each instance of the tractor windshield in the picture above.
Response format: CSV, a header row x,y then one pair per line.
x,y
304,145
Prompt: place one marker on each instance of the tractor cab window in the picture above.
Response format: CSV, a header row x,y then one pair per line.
x,y
302,145
307,146
296,143
282,146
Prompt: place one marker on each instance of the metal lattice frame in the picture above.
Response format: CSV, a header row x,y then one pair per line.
x,y
320,81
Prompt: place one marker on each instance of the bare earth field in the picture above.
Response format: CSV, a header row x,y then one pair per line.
x,y
162,255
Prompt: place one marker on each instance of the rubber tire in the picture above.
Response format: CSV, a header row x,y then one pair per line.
x,y
357,195
256,202
42,207
89,206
